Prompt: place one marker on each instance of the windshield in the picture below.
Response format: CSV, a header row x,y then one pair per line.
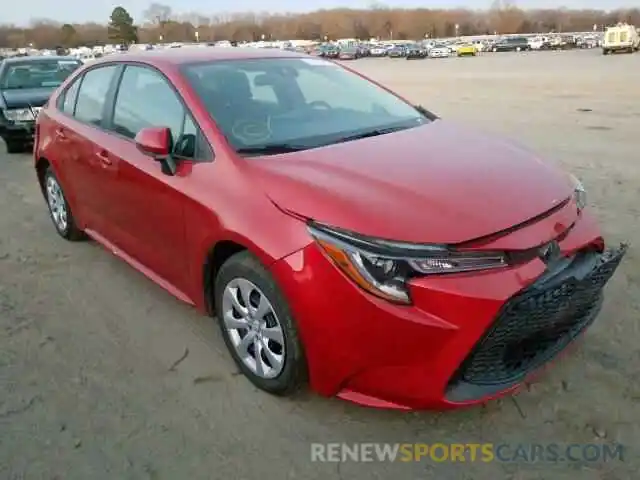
x,y
37,73
298,103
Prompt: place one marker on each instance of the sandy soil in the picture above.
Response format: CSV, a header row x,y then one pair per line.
x,y
87,388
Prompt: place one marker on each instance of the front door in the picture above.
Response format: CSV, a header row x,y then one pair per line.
x,y
146,207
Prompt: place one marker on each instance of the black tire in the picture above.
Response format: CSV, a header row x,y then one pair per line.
x,y
293,375
70,231
605,51
14,146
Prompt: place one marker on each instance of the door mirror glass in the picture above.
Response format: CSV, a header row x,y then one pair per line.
x,y
155,142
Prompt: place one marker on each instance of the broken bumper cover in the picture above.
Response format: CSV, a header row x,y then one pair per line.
x,y
537,324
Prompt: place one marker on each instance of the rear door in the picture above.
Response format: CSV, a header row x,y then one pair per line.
x,y
79,133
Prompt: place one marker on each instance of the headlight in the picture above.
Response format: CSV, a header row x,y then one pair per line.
x,y
19,115
579,193
383,267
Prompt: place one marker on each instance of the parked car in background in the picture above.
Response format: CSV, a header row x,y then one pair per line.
x,y
334,230
349,53
25,86
397,51
621,38
330,51
378,51
563,42
511,44
541,42
440,50
466,50
364,50
415,51
588,42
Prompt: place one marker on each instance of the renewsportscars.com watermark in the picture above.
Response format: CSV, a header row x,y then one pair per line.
x,y
467,452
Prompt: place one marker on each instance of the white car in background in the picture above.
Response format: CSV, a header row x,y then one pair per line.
x,y
539,42
440,51
379,51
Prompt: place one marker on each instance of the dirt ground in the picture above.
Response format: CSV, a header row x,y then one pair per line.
x,y
87,388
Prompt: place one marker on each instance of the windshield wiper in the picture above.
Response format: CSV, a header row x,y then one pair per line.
x,y
371,133
272,149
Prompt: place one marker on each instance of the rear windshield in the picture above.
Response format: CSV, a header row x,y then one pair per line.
x,y
37,74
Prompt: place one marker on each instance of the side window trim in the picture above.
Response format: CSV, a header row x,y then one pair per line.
x,y
201,138
110,98
112,94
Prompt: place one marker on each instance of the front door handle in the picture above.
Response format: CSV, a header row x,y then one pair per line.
x,y
60,134
103,156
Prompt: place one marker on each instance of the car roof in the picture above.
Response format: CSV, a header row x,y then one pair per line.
x,y
43,58
179,56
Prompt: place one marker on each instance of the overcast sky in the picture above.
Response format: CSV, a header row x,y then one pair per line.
x,y
21,12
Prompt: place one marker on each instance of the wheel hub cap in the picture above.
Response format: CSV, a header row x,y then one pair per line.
x,y
254,328
57,204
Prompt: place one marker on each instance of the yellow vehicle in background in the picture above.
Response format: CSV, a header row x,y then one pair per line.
x,y
621,38
467,49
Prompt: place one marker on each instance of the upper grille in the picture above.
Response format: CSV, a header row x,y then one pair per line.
x,y
539,322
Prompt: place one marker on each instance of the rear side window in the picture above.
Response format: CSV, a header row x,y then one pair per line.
x,y
93,94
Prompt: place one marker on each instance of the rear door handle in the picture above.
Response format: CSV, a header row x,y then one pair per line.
x,y
103,155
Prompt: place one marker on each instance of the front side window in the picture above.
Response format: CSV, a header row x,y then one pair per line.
x,y
145,99
92,95
300,103
37,73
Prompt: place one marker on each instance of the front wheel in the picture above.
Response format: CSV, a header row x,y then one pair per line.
x,y
258,326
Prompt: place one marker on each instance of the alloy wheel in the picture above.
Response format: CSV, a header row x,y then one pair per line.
x,y
57,204
253,328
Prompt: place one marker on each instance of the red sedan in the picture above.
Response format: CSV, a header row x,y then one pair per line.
x,y
340,234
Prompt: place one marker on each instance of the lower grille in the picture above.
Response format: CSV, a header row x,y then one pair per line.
x,y
539,322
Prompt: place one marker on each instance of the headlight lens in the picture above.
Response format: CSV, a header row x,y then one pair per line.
x,y
19,115
579,193
384,267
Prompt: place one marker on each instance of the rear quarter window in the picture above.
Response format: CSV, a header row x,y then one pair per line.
x,y
67,100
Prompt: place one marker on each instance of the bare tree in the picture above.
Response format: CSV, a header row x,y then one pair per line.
x,y
157,13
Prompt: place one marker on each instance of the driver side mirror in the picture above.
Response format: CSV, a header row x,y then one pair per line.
x,y
154,142
157,143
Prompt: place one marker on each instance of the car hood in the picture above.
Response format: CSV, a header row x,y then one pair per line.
x,y
437,183
27,97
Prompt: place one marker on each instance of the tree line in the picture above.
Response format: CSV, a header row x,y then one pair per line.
x,y
160,24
